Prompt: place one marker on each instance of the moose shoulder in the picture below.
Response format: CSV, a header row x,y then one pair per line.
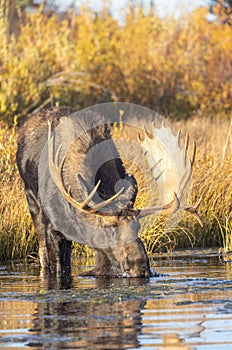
x,y
78,189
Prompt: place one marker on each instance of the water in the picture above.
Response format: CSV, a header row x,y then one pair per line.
x,y
188,307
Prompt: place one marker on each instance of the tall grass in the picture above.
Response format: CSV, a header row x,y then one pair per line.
x,y
226,234
17,237
212,180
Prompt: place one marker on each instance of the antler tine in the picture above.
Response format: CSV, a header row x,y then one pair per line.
x,y
193,210
160,174
139,138
153,168
187,175
91,195
184,181
179,137
56,169
155,165
174,204
194,153
186,148
149,134
197,216
53,163
56,174
106,202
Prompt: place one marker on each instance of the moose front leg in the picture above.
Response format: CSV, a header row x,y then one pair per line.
x,y
54,250
57,253
55,259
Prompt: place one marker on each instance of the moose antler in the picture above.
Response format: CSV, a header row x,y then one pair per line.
x,y
150,145
193,210
173,205
56,174
184,181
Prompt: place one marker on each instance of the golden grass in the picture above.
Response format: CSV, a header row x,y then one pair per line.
x,y
212,179
17,237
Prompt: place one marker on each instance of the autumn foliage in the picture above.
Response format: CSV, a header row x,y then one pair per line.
x,y
177,67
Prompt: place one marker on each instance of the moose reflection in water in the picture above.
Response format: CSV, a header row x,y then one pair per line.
x,y
106,321
190,308
89,324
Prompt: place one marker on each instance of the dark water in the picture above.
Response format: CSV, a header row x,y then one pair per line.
x,y
189,307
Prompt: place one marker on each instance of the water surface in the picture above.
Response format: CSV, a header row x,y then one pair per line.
x,y
188,307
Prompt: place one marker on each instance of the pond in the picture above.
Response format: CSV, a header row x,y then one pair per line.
x,y
189,306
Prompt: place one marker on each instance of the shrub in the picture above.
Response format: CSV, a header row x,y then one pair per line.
x,y
177,67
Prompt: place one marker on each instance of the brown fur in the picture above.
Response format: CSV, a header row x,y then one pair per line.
x,y
120,260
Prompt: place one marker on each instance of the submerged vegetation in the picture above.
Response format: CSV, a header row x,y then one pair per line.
x,y
180,68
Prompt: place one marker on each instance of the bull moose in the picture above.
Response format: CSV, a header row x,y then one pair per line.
x,y
78,187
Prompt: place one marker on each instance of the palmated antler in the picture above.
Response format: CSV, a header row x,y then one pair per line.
x,y
56,174
56,169
150,145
